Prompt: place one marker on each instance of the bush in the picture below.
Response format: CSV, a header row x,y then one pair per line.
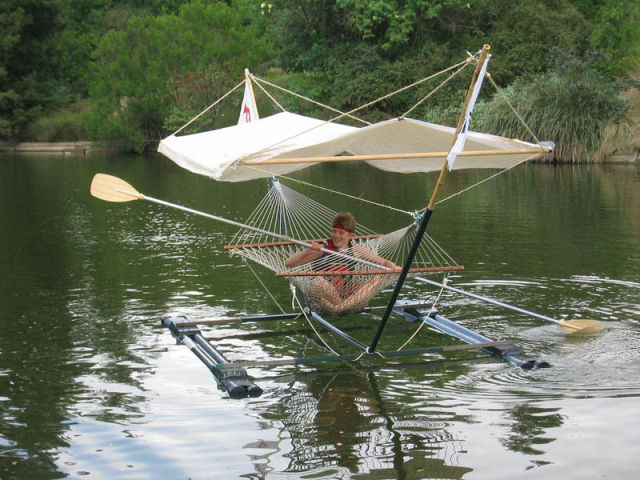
x,y
65,125
571,105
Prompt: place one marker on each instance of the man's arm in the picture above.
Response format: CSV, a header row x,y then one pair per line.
x,y
362,252
305,256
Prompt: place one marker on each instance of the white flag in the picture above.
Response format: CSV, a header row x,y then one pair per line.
x,y
458,147
248,111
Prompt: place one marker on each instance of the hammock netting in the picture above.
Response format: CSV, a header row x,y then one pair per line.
x,y
337,283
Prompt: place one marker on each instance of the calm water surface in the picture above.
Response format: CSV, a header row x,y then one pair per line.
x,y
92,386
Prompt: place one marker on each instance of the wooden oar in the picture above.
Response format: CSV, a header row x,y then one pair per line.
x,y
114,189
577,326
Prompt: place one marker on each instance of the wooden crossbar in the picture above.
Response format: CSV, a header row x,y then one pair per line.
x,y
393,156
279,244
332,273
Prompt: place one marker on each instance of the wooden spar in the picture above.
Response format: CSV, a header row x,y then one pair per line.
x,y
445,169
329,273
279,244
428,212
394,156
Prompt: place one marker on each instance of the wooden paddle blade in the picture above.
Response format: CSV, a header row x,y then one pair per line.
x,y
581,326
113,189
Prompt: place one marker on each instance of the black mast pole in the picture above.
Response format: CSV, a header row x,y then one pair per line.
x,y
429,210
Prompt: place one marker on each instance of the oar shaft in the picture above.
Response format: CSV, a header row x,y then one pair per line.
x,y
487,300
258,230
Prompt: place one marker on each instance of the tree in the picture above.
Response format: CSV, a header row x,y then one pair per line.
x,y
615,31
26,62
153,68
360,50
571,105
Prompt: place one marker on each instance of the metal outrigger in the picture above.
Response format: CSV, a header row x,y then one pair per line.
x,y
233,378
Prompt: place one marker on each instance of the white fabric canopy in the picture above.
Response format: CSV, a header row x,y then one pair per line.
x,y
217,153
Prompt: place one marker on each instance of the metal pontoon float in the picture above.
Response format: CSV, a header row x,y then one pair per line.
x,y
233,378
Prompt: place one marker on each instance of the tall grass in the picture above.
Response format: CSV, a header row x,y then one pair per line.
x,y
573,105
64,125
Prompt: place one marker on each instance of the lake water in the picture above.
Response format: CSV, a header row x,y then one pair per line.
x,y
93,386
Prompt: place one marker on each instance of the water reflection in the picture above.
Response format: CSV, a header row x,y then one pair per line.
x,y
342,423
92,385
528,426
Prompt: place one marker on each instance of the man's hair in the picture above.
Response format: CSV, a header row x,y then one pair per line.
x,y
345,220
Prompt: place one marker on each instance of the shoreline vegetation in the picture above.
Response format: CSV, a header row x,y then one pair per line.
x,y
87,148
126,73
54,148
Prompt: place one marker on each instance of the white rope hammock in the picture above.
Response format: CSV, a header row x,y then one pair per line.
x,y
334,283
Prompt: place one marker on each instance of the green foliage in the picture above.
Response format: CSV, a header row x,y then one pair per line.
x,y
65,125
360,51
571,105
25,62
149,66
614,30
523,33
393,22
163,67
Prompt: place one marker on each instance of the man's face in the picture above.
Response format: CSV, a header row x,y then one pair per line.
x,y
341,237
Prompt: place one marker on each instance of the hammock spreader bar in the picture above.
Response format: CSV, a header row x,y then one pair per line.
x,y
395,271
284,243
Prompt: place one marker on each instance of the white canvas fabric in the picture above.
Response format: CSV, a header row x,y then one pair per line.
x,y
217,153
248,109
460,141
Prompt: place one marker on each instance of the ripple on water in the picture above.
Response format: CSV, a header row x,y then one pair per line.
x,y
605,365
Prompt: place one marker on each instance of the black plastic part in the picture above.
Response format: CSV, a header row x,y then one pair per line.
x,y
236,382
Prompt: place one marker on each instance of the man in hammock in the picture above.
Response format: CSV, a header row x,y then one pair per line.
x,y
340,293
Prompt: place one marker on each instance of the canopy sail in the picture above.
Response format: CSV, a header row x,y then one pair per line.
x,y
286,142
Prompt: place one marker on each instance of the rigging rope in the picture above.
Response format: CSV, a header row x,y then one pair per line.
x,y
268,94
347,195
504,97
306,316
315,102
208,108
431,310
426,97
460,192
263,285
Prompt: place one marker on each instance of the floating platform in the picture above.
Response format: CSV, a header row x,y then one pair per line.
x,y
233,378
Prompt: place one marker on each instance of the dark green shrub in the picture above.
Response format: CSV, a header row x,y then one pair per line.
x,y
64,125
570,105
